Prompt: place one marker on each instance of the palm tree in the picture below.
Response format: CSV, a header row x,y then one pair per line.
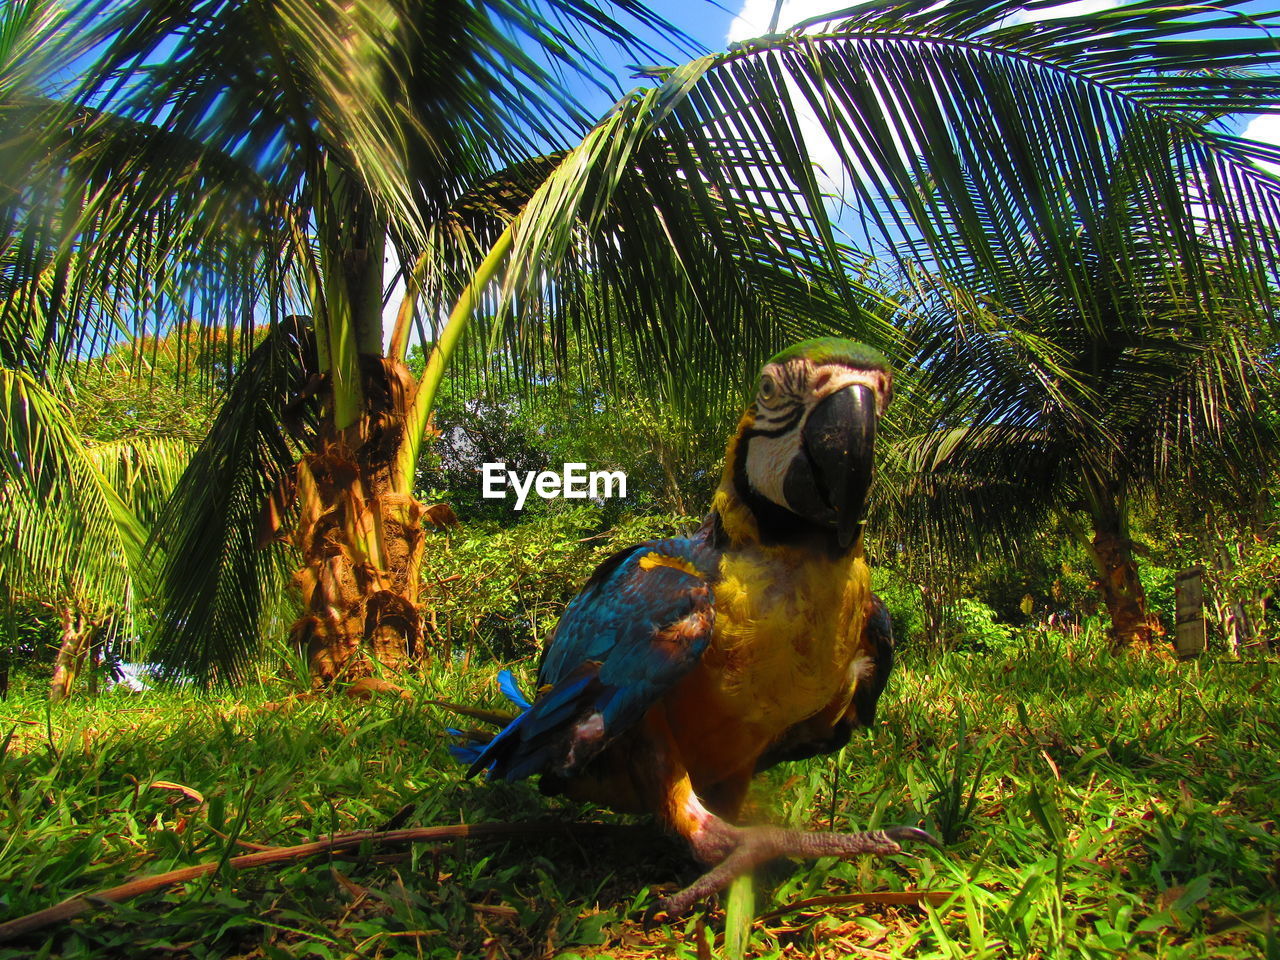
x,y
250,161
74,535
1063,387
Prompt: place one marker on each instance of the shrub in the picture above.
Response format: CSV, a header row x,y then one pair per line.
x,y
501,590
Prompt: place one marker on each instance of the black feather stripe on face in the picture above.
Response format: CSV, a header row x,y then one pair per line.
x,y
792,421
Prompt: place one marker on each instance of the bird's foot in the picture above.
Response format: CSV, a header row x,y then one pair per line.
x,y
757,845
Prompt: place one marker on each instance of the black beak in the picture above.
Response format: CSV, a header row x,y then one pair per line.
x,y
830,480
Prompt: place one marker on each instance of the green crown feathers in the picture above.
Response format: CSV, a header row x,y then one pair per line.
x,y
835,350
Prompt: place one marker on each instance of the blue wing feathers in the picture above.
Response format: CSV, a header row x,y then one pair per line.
x,y
625,640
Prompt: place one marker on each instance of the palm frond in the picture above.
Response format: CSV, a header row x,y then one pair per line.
x,y
690,217
41,447
182,175
143,470
74,530
1016,405
218,581
631,234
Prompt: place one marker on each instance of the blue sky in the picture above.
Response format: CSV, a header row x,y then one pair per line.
x,y
702,20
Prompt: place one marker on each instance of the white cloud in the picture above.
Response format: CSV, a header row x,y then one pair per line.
x,y
754,16
1265,128
753,19
1077,8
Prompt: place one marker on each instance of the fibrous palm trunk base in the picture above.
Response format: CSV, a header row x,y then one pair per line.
x,y
1133,628
361,541
77,635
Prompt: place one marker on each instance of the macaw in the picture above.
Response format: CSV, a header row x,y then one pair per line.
x,y
686,665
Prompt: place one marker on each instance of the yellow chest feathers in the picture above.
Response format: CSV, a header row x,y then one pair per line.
x,y
788,630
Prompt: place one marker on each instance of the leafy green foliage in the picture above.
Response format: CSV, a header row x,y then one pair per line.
x,y
903,600
108,447
977,628
166,387
76,524
213,569
951,773
961,609
1159,584
29,634
499,591
1256,575
231,162
569,414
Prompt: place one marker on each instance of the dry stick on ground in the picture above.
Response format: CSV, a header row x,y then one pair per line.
x,y
272,856
82,903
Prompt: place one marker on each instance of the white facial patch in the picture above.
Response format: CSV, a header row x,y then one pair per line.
x,y
874,380
768,459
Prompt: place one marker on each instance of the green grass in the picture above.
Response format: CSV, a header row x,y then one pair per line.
x,y
1093,808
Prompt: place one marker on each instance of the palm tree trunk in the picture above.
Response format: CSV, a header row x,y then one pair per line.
x,y
1121,590
360,528
77,634
360,536
1133,627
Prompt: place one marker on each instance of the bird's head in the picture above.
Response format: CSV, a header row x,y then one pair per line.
x,y
802,457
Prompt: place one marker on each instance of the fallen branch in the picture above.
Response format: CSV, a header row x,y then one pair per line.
x,y
272,856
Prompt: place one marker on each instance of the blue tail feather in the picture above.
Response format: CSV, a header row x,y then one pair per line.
x,y
521,748
475,753
511,690
467,752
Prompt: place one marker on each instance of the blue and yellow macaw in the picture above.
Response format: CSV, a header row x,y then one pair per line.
x,y
686,665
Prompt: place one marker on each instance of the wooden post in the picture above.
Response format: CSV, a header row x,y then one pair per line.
x,y
1189,632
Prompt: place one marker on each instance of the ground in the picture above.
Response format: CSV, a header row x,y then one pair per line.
x,y
1091,806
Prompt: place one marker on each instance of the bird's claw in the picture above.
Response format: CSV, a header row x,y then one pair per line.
x,y
659,911
674,907
914,834
758,845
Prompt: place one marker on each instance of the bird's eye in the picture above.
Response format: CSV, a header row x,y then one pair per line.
x,y
768,388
